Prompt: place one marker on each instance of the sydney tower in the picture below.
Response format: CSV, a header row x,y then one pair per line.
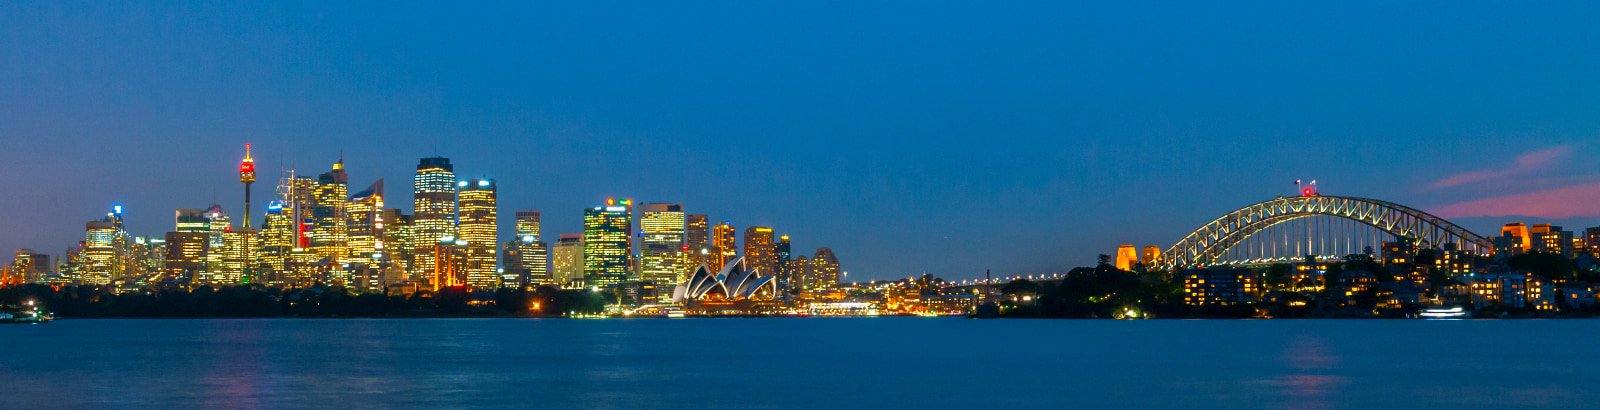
x,y
247,175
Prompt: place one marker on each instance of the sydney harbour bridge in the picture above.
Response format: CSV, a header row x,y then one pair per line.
x,y
1287,229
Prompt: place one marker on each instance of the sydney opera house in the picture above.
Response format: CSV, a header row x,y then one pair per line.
x,y
735,284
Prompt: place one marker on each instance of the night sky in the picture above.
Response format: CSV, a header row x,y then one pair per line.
x,y
910,137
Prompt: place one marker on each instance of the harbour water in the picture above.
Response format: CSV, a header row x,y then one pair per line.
x,y
879,363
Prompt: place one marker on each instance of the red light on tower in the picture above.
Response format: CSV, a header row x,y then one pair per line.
x,y
1307,189
247,168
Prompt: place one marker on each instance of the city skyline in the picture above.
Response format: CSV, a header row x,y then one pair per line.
x,y
901,157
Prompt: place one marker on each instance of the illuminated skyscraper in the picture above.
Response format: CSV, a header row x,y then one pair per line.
x,y
186,257
277,241
527,224
800,268
662,257
366,225
824,269
785,273
760,253
697,239
477,228
450,264
607,242
217,226
723,246
330,239
528,255
397,243
192,220
147,261
30,266
434,213
567,260
188,247
104,255
299,196
98,253
236,244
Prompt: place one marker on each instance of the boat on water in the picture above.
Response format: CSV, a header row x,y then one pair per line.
x,y
32,314
23,318
1444,313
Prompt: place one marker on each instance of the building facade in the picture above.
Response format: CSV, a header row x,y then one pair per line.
x,y
566,258
478,228
608,243
760,249
662,248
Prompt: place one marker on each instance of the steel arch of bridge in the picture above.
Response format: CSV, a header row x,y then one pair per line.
x,y
1206,244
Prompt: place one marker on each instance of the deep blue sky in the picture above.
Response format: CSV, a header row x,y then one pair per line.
x,y
908,136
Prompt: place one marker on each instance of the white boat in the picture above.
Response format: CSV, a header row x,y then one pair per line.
x,y
1444,313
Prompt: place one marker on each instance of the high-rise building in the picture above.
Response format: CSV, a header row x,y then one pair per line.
x,y
99,253
451,261
760,251
724,249
105,255
697,239
607,243
786,269
236,243
512,272
276,242
824,270
192,220
397,243
477,215
186,257
662,257
528,255
567,260
433,215
299,196
29,266
800,268
527,224
216,226
366,225
330,238
148,260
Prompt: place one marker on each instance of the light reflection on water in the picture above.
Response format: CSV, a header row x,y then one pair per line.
x,y
1307,382
799,363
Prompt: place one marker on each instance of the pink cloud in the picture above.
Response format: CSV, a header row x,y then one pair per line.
x,y
1567,202
1525,163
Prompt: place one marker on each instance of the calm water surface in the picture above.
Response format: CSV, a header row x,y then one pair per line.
x,y
900,363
